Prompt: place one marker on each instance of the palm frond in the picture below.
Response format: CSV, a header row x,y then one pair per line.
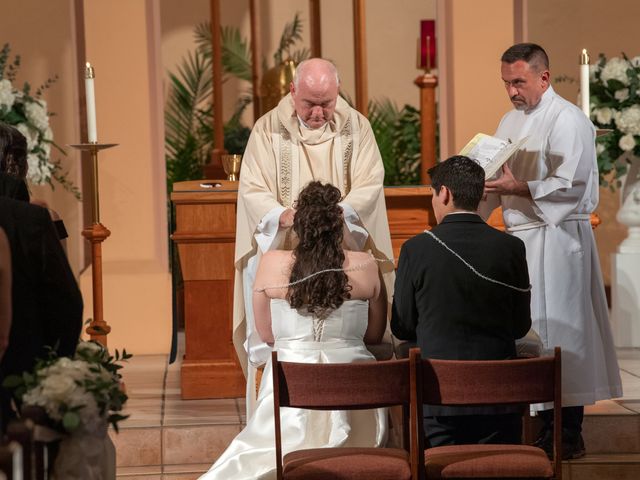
x,y
290,35
382,116
236,58
202,34
189,90
300,55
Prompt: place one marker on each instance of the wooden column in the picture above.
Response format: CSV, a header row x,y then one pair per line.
x,y
314,22
254,16
218,126
360,48
427,84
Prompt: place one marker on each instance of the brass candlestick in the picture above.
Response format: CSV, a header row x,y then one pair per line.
x,y
231,165
96,234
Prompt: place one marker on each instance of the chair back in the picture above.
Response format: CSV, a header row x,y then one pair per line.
x,y
21,432
11,460
44,449
495,382
344,386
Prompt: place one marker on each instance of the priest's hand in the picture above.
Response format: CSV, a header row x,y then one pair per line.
x,y
507,184
286,218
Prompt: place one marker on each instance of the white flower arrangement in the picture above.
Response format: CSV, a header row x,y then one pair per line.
x,y
615,104
29,114
82,394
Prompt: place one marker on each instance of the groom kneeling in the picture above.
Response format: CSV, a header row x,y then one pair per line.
x,y
462,292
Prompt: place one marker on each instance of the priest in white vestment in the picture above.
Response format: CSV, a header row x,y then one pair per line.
x,y
548,191
313,134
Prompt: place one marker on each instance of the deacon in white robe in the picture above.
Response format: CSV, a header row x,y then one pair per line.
x,y
548,191
312,134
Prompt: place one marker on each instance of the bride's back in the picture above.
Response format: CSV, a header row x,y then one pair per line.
x,y
360,267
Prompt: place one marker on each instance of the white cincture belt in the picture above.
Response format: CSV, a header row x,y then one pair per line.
x,y
528,226
311,345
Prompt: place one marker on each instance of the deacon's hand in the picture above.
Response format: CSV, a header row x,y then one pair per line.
x,y
507,184
286,218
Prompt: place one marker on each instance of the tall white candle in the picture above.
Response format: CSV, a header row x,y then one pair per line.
x,y
584,82
90,94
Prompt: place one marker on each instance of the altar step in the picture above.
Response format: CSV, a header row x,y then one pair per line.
x,y
168,438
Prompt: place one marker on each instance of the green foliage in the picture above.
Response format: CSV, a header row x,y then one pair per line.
x,y
612,100
397,133
291,34
93,370
189,113
188,119
17,109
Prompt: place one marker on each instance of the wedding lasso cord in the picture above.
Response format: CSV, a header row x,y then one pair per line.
x,y
360,266
484,277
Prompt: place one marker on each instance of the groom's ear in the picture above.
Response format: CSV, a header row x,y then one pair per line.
x,y
447,197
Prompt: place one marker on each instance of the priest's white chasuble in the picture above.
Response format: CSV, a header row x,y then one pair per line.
x,y
282,156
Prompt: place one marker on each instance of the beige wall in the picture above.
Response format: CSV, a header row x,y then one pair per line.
x,y
564,29
471,93
133,203
44,38
391,40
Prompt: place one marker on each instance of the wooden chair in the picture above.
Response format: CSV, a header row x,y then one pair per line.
x,y
500,382
44,449
11,461
21,432
345,386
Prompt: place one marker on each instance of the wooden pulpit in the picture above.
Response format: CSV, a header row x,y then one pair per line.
x,y
205,235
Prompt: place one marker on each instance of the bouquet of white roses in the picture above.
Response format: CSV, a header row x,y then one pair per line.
x,y
79,394
28,113
615,104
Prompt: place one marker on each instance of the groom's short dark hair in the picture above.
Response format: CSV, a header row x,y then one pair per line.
x,y
463,177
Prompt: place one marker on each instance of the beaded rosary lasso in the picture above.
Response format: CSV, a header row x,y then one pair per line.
x,y
359,266
318,323
484,277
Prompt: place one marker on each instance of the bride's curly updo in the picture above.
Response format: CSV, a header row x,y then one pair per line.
x,y
318,222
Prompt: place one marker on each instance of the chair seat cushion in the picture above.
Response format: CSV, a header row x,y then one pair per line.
x,y
487,461
347,463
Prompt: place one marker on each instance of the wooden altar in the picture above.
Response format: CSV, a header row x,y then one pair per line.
x,y
205,237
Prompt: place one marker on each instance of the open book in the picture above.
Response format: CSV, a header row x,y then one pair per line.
x,y
491,152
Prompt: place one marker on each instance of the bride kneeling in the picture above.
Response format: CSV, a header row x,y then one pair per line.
x,y
316,304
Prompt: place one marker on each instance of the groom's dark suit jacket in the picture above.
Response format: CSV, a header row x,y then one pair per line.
x,y
46,301
447,309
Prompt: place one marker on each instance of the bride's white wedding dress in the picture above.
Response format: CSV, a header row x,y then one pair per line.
x,y
301,338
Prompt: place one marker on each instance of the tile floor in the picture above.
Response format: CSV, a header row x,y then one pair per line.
x,y
169,438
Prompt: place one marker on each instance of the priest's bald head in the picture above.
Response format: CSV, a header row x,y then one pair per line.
x,y
525,73
314,91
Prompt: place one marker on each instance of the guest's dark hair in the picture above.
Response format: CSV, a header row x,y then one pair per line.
x,y
463,177
531,53
13,152
318,222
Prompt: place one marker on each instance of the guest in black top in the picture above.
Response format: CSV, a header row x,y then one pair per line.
x,y
46,301
451,311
